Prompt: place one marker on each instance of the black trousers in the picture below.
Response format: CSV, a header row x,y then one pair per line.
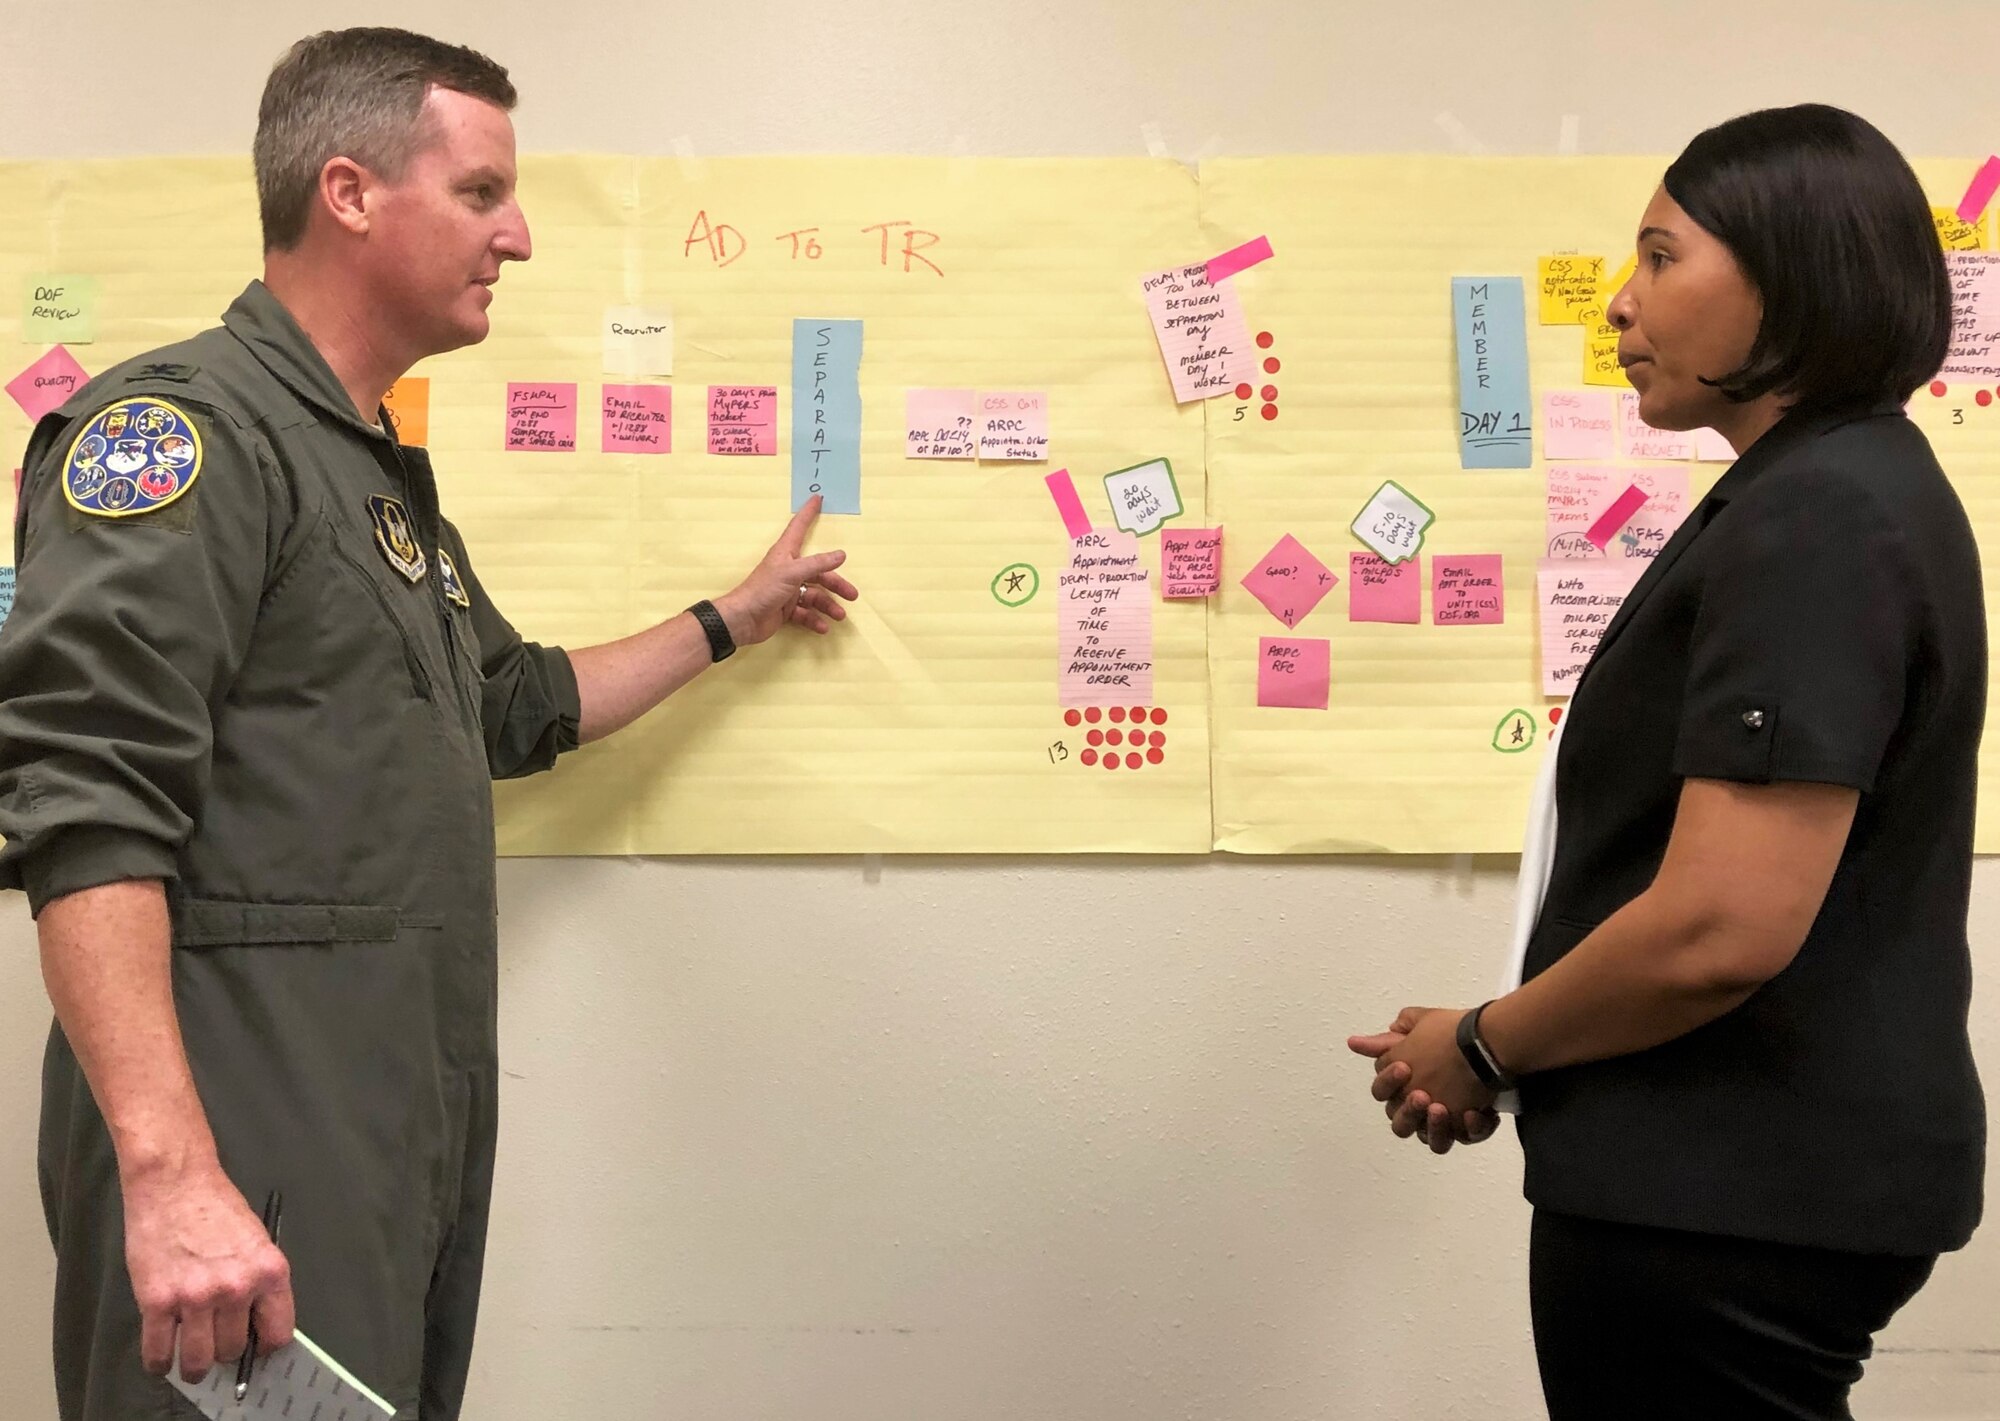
x,y
1636,1323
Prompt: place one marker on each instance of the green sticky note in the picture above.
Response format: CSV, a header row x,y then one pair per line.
x,y
60,310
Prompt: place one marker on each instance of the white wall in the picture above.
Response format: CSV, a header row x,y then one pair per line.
x,y
785,1142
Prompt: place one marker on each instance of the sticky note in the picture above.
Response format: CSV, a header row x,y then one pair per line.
x,y
1075,521
1600,353
1711,448
742,419
60,310
826,414
1980,190
1578,601
1466,591
638,419
1639,440
938,424
639,340
1014,425
6,593
1392,523
1104,624
1190,562
1580,495
48,382
1289,581
1293,672
541,417
1975,317
1956,234
1143,496
1614,518
408,407
1579,424
1201,331
1566,287
1379,591
1495,419
1236,259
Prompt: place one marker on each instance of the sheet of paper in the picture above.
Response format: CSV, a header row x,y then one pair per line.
x,y
1467,590
1392,523
298,1382
46,383
742,419
1956,234
1578,601
1294,672
1289,581
408,403
1379,591
1201,331
541,417
1975,324
1711,448
1579,424
60,310
1143,496
1076,522
826,414
1639,440
1105,624
1495,411
938,424
639,340
1014,425
1190,562
638,419
1566,287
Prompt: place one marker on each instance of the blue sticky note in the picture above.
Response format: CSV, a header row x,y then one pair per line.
x,y
1495,413
826,414
6,593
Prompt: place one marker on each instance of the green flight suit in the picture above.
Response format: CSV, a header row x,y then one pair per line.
x,y
283,692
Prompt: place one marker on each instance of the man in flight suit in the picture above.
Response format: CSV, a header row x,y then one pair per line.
x,y
253,697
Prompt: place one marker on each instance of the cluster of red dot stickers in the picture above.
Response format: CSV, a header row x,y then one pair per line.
x,y
1119,737
1982,398
1269,394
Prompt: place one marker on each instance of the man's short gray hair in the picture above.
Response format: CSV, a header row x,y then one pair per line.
x,y
356,93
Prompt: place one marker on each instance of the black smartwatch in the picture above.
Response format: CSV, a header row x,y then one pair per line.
x,y
721,644
1479,1055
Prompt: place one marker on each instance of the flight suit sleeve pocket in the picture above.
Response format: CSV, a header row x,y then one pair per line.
x,y
215,922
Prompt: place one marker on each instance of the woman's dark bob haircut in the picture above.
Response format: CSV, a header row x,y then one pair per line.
x,y
1830,225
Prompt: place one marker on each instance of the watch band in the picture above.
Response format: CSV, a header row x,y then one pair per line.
x,y
721,645
1479,1055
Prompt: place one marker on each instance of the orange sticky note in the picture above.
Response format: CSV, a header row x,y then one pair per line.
x,y
409,405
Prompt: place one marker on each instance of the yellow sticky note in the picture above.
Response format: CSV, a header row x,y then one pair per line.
x,y
1600,337
1568,286
1955,234
409,405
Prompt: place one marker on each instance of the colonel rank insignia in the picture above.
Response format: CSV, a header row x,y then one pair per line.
x,y
131,458
454,590
393,536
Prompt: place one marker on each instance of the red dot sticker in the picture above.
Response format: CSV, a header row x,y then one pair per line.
x,y
1093,715
1133,761
1159,715
1096,737
1118,713
1269,392
1555,715
1089,757
1110,762
1271,366
1156,754
1270,411
1114,737
1938,388
1138,715
1984,398
1263,340
1157,739
1243,391
1072,717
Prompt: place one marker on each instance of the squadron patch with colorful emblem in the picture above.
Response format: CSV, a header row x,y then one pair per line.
x,y
454,590
131,458
393,536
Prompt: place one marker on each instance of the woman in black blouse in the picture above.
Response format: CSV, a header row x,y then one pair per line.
x,y
1749,1108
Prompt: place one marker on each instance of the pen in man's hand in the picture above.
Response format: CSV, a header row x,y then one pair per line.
x,y
274,1218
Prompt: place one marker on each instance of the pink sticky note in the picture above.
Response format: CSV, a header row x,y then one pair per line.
x,y
1190,561
938,424
1221,268
1063,491
1467,591
1578,601
1639,440
1201,330
1379,591
1712,448
541,417
1579,424
742,419
1581,494
1616,516
1289,581
1974,356
1984,184
1014,425
1293,671
1104,624
638,419
48,382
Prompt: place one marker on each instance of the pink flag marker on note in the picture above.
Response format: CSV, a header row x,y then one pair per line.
x,y
1293,671
1063,491
1985,183
48,382
1617,515
1237,258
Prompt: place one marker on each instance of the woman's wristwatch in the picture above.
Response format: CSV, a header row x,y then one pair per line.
x,y
1479,1055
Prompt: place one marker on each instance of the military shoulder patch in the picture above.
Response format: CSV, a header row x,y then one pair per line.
x,y
131,458
393,536
454,590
